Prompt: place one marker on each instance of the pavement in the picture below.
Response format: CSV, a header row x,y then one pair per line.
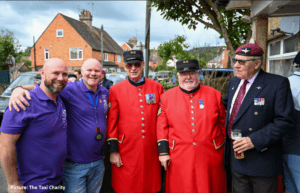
x,y
3,184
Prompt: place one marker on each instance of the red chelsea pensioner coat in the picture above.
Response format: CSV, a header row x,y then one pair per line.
x,y
196,137
133,123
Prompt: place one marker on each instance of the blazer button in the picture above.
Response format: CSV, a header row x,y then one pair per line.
x,y
192,112
193,124
194,143
141,100
250,129
191,101
193,118
193,130
192,107
256,113
141,106
143,136
140,94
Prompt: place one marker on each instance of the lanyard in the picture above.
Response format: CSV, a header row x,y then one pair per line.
x,y
95,106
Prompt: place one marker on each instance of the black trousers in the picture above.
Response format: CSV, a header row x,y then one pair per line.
x,y
253,184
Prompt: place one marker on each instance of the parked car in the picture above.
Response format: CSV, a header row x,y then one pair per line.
x,y
219,72
161,75
116,77
26,78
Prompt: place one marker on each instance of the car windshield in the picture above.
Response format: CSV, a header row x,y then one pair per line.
x,y
21,80
115,77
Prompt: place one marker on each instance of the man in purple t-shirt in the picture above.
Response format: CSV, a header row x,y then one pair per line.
x,y
33,142
86,104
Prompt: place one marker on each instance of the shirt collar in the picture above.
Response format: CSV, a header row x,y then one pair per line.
x,y
85,89
140,83
251,80
191,91
41,94
296,73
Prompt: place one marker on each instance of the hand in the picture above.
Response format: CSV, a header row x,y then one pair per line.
x,y
16,188
242,144
165,160
115,158
17,99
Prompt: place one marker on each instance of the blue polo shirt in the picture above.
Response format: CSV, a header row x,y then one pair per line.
x,y
81,144
41,148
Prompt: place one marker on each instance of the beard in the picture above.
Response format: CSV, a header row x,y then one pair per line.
x,y
51,88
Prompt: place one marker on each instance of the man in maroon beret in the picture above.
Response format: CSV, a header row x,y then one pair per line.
x,y
259,114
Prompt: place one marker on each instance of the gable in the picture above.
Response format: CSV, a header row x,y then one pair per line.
x,y
92,36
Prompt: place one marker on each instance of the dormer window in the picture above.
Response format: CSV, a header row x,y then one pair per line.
x,y
59,33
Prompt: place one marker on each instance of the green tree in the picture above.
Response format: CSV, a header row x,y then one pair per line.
x,y
168,49
8,45
227,23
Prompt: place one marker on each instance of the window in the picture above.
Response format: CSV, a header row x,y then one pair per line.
x,y
106,57
290,44
76,54
46,53
281,55
59,33
118,58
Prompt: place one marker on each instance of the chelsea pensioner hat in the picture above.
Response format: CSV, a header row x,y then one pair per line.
x,y
133,56
187,65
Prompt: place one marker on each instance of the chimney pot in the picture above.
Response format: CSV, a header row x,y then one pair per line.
x,y
86,17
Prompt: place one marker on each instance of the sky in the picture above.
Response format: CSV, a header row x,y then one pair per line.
x,y
121,20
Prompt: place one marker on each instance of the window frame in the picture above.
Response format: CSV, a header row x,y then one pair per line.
x,y
105,57
46,52
119,58
77,53
58,36
280,56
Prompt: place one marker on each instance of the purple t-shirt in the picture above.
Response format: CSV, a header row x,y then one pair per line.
x,y
41,148
82,146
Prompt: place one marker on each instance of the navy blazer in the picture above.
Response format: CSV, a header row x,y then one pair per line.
x,y
265,125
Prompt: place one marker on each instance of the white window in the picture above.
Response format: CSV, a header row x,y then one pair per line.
x,y
76,54
59,33
119,70
46,53
118,58
106,57
281,55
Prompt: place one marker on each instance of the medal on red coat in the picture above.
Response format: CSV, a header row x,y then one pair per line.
x,y
201,105
99,135
150,99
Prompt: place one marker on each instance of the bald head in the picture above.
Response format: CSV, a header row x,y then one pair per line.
x,y
90,62
54,63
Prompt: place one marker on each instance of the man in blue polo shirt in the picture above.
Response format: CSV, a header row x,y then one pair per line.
x,y
33,142
86,104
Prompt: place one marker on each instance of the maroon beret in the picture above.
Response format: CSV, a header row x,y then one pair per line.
x,y
103,72
250,50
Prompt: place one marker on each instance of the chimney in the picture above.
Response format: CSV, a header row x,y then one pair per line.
x,y
86,17
132,41
153,49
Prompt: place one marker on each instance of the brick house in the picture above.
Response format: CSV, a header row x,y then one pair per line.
x,y
220,61
133,45
75,41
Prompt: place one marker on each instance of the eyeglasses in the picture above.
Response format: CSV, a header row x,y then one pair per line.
x,y
129,65
241,62
185,74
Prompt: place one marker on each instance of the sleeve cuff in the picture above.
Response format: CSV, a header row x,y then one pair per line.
x,y
113,145
163,146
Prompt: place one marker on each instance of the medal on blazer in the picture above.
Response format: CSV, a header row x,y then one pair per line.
x,y
201,105
99,135
150,99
